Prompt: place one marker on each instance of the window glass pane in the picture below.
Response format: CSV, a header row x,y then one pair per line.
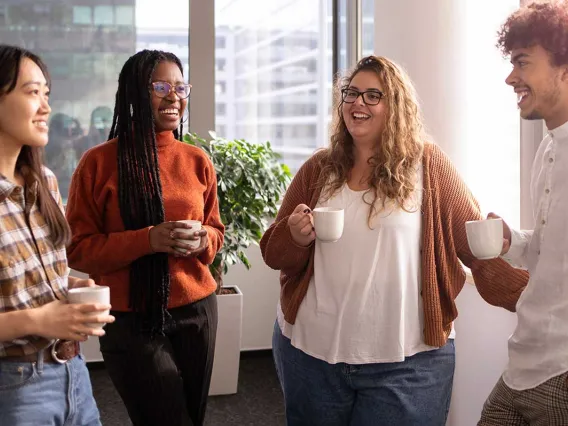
x,y
3,14
342,34
85,47
367,30
368,27
124,15
82,15
104,15
274,74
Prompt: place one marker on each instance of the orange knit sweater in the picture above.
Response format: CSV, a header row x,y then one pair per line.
x,y
447,204
103,249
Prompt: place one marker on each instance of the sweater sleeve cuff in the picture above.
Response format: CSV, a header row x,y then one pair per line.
x,y
208,256
295,244
142,242
295,254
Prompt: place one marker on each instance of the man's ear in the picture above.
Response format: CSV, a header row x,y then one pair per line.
x,y
564,74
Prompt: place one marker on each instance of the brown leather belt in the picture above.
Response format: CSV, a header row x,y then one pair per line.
x,y
60,352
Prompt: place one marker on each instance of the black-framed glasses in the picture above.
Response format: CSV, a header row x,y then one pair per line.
x,y
370,97
163,89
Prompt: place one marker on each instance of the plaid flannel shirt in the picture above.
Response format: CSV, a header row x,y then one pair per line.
x,y
32,271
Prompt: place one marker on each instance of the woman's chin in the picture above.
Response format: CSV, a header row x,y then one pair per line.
x,y
169,127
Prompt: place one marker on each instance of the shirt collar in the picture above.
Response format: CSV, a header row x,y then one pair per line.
x,y
164,139
561,132
7,186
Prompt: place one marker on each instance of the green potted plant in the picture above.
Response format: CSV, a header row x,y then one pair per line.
x,y
250,184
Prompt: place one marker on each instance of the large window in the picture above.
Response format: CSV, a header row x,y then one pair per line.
x,y
274,73
85,44
273,66
349,29
368,27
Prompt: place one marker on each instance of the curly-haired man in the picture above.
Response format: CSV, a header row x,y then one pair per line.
x,y
534,387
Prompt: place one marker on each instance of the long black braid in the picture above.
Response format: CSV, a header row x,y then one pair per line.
x,y
139,186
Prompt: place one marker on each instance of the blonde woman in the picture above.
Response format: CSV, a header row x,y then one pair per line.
x,y
364,334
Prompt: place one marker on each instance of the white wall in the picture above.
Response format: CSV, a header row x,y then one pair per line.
x,y
448,48
481,354
261,290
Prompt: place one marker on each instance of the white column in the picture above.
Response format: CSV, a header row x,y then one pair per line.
x,y
202,67
448,48
323,70
353,26
427,39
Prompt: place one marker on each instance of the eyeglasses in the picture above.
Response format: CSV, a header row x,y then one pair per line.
x,y
163,89
370,97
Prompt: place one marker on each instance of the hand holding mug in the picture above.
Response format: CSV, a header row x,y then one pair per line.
x,y
301,225
169,236
71,321
485,237
195,237
506,233
328,223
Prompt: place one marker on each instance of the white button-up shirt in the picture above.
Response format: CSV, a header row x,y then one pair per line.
x,y
538,349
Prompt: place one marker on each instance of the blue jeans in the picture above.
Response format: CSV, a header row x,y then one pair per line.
x,y
47,394
415,392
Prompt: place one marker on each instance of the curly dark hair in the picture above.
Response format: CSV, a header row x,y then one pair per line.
x,y
539,23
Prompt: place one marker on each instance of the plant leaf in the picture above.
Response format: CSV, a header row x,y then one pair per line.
x,y
250,182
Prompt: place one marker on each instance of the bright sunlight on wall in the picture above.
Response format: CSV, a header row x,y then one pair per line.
x,y
492,134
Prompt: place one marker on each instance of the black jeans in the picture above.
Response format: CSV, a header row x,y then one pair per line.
x,y
164,381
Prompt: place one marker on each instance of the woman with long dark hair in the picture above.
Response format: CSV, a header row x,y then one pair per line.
x,y
126,198
40,363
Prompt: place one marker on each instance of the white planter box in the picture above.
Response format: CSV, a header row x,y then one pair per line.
x,y
228,346
90,350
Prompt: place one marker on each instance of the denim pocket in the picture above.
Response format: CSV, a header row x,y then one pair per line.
x,y
14,375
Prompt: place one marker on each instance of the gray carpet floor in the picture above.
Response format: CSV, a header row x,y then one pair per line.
x,y
258,401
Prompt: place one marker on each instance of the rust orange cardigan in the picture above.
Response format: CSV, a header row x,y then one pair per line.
x,y
102,248
447,204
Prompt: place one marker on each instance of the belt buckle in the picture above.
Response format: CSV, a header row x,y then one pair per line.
x,y
54,353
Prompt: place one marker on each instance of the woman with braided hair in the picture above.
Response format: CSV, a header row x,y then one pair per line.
x,y
126,198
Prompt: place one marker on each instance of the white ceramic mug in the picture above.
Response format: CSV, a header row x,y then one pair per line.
x,y
195,226
97,294
328,223
485,237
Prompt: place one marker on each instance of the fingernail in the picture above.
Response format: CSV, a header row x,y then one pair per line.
x,y
307,211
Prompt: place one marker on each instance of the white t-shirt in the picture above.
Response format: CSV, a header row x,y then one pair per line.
x,y
363,303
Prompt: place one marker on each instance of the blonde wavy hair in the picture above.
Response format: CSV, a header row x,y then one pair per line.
x,y
399,151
